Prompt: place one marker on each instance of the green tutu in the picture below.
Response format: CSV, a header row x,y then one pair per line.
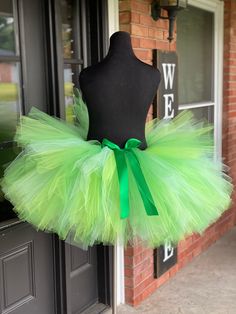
x,y
64,184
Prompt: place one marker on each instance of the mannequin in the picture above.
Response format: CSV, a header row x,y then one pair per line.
x,y
118,92
63,183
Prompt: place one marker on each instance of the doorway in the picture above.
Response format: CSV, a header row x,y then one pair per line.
x,y
43,47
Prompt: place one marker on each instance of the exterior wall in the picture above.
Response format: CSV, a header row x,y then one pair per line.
x,y
146,35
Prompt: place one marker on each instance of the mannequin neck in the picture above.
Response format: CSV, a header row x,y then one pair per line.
x,y
120,44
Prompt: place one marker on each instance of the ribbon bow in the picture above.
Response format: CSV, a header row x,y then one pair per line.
x,y
120,157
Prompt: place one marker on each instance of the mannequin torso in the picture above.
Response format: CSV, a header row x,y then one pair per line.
x,y
118,92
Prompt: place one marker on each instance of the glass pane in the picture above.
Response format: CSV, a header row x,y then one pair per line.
x,y
6,155
204,113
9,100
7,36
195,53
9,113
67,28
71,79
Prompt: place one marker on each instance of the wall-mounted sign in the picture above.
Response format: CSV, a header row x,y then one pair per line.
x,y
165,257
166,107
166,102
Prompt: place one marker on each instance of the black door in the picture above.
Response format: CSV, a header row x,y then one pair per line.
x,y
26,256
43,47
26,271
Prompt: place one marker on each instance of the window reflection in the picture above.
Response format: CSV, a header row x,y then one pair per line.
x,y
7,36
204,113
9,100
71,42
195,52
67,27
71,73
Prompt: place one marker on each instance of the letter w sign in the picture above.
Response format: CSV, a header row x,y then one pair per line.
x,y
166,103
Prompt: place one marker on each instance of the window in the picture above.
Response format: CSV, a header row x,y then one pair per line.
x,y
65,36
199,48
10,90
84,41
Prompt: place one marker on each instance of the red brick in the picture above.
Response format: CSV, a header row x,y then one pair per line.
x,y
125,28
125,17
129,282
139,30
147,43
137,300
173,270
129,272
128,260
135,17
141,267
163,45
162,24
140,6
147,20
138,249
160,281
142,286
147,292
129,293
143,54
129,251
155,33
147,272
124,5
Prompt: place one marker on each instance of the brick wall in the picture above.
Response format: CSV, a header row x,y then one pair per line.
x,y
146,35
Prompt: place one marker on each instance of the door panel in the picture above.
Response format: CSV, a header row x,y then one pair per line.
x,y
82,285
26,271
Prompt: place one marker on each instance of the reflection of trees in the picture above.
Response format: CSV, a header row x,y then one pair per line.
x,y
67,43
6,33
8,121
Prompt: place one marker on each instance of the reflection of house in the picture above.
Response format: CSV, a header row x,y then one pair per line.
x,y
7,72
63,37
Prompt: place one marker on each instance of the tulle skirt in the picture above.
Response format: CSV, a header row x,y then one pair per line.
x,y
64,184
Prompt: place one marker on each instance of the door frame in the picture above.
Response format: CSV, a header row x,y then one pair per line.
x,y
118,250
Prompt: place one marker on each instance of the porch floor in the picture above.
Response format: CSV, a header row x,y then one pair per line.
x,y
205,286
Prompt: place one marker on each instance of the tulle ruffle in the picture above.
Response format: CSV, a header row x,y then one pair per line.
x,y
67,185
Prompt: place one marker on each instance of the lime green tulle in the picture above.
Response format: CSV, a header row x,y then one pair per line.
x,y
65,184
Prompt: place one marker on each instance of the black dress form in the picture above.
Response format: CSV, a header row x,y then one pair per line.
x,y
118,92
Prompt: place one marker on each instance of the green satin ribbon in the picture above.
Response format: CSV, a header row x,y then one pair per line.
x,y
120,157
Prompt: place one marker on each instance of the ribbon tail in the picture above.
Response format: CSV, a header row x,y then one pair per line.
x,y
123,182
143,188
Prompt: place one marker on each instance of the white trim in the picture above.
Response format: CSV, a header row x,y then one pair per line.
x,y
218,77
196,105
120,296
113,16
217,8
208,5
113,26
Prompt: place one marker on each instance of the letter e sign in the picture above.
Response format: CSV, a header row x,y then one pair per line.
x,y
165,257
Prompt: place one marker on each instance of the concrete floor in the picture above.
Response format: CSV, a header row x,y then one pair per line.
x,y
205,286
